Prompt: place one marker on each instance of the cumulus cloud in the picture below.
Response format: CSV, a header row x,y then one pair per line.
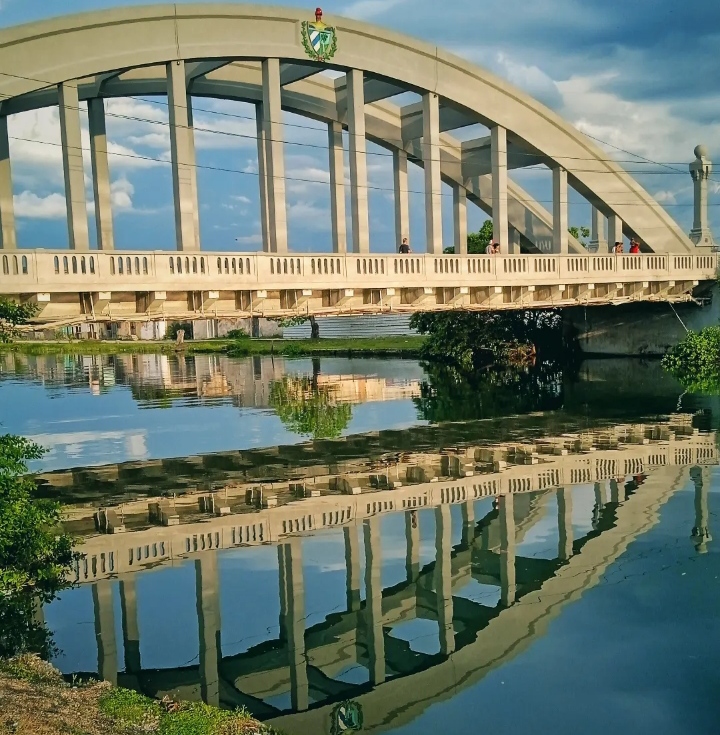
x,y
31,206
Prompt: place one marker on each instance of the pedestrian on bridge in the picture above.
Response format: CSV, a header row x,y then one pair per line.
x,y
634,246
404,246
618,249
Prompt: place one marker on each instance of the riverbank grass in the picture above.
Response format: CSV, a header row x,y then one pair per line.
x,y
404,346
35,699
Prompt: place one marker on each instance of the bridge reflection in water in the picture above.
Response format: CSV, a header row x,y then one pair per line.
x,y
462,599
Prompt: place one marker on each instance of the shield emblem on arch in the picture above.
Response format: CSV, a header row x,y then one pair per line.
x,y
319,40
346,717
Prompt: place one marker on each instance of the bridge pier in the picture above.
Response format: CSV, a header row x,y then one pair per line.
x,y
71,145
499,168
100,174
507,549
208,612
352,567
102,594
8,234
130,627
355,96
374,635
460,219
337,187
701,478
431,166
565,529
401,196
443,579
262,177
560,210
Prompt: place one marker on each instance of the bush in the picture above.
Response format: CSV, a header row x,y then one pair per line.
x,y
174,327
237,334
695,361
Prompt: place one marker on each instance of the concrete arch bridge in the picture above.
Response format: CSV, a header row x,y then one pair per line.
x,y
280,60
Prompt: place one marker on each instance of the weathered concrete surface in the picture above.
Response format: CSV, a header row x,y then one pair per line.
x,y
641,328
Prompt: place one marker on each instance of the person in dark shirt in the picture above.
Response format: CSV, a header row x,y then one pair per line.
x,y
404,246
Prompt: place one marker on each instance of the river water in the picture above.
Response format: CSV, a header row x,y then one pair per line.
x,y
361,545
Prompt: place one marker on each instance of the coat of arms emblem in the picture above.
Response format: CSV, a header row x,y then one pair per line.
x,y
346,717
319,40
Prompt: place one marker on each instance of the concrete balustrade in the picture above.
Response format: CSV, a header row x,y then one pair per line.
x,y
145,282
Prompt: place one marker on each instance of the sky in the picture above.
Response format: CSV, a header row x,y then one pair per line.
x,y
640,77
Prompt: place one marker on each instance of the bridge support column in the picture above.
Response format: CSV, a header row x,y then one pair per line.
x,y
560,210
208,612
291,555
101,174
701,531
498,154
402,200
468,517
460,219
600,501
130,628
337,187
105,630
598,243
431,165
274,155
8,235
617,495
443,579
193,165
374,635
182,157
507,549
352,567
262,178
412,546
565,529
615,230
71,142
358,161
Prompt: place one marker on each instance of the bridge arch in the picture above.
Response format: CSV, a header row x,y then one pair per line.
x,y
254,53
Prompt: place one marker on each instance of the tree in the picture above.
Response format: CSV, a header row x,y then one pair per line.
x,y
580,234
477,241
13,315
295,321
35,557
306,408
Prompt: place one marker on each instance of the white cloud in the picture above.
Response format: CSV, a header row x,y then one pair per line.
x,y
255,239
240,198
309,215
665,197
30,205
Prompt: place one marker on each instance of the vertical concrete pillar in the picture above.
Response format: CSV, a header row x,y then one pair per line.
x,y
507,549
565,529
701,531
69,109
352,567
182,157
700,170
374,634
431,165
402,198
295,624
105,630
600,500
358,161
598,243
274,155
617,494
337,187
262,178
283,594
412,546
101,174
443,579
460,219
8,236
193,164
468,518
560,210
207,595
130,627
615,230
498,160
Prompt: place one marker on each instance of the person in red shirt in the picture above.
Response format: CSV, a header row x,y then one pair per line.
x,y
634,246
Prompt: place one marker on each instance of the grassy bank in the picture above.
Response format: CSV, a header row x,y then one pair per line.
x,y
35,700
373,346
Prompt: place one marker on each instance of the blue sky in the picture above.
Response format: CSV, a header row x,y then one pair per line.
x,y
641,77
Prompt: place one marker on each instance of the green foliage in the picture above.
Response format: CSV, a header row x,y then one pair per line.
x,y
477,241
132,712
470,340
30,668
34,557
306,409
12,315
237,334
695,361
175,327
581,234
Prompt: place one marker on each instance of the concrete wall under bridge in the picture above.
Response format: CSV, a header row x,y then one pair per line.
x,y
641,329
